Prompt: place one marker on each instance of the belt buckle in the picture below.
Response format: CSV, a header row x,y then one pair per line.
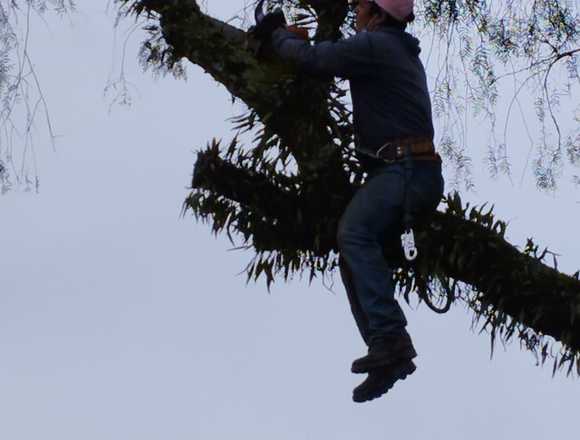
x,y
377,154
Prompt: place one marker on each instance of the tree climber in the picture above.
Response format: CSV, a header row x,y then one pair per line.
x,y
394,143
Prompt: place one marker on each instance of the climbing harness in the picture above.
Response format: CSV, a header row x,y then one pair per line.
x,y
398,153
438,305
404,153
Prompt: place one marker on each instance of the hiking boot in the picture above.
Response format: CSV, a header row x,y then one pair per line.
x,y
381,380
384,352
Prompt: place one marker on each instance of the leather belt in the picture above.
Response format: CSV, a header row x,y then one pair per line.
x,y
396,150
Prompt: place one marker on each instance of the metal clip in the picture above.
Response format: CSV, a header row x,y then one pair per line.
x,y
408,241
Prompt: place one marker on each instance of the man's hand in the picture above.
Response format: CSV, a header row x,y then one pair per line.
x,y
272,21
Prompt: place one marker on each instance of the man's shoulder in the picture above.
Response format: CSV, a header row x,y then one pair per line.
x,y
359,37
395,39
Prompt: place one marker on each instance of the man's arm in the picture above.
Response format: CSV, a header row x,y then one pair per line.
x,y
345,58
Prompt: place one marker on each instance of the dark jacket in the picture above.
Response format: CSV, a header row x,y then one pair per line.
x,y
388,84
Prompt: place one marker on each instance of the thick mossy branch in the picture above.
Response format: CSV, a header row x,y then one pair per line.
x,y
267,86
462,244
469,246
300,216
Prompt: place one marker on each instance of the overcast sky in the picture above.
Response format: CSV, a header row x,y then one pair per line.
x,y
120,320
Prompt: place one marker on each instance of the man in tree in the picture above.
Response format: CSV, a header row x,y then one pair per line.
x,y
394,143
513,292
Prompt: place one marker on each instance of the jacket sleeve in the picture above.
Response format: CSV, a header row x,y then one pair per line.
x,y
347,58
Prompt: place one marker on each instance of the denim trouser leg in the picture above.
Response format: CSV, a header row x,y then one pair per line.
x,y
374,214
357,312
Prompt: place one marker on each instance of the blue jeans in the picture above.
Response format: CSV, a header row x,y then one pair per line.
x,y
374,217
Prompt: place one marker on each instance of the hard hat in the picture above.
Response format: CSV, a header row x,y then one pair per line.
x,y
399,9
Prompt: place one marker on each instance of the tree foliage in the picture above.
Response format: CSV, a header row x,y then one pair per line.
x,y
531,44
283,194
21,98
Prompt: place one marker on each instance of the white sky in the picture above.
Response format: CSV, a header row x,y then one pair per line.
x,y
120,320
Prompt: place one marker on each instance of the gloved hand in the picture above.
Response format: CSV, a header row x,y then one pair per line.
x,y
272,21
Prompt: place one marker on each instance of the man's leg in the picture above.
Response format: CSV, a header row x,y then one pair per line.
x,y
374,211
358,313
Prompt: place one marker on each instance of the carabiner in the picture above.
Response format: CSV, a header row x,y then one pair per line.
x,y
408,241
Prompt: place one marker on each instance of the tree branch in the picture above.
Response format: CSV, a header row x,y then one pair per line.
x,y
467,246
331,15
269,87
471,251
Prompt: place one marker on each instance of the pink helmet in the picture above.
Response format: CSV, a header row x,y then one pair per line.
x,y
399,9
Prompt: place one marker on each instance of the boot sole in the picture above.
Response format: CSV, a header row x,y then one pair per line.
x,y
361,369
398,374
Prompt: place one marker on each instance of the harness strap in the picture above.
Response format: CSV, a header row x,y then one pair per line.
x,y
408,237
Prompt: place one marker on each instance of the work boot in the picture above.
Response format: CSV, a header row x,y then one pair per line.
x,y
384,352
381,380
